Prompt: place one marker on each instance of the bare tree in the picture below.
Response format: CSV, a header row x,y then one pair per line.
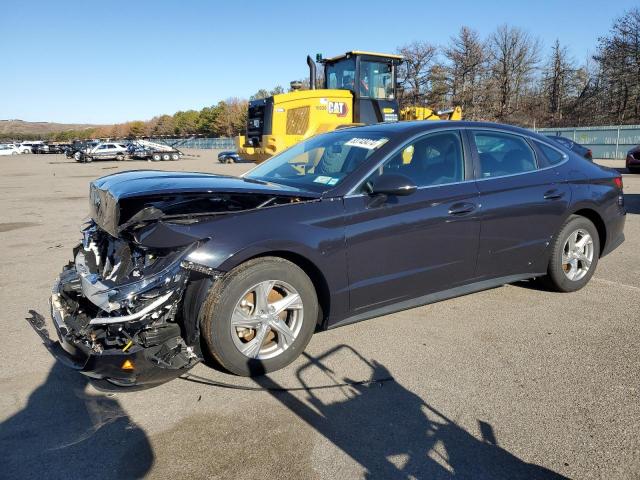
x,y
414,73
559,81
466,67
514,56
619,60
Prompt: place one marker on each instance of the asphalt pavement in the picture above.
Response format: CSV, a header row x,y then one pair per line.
x,y
513,382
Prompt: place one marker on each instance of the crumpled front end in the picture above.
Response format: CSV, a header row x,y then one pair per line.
x,y
117,312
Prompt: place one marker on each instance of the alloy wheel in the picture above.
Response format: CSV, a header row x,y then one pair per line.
x,y
577,255
267,319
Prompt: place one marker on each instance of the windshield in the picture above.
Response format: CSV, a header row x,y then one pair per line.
x,y
320,163
341,75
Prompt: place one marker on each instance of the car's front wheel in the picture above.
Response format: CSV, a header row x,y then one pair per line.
x,y
260,316
574,255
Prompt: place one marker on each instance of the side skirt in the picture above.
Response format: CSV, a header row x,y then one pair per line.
x,y
435,297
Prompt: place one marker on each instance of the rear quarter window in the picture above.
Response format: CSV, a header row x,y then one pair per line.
x,y
551,155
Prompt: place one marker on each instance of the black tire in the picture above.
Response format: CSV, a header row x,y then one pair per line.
x,y
120,157
87,159
556,279
156,157
166,157
215,314
175,157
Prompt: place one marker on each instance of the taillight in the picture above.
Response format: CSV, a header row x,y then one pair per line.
x,y
618,182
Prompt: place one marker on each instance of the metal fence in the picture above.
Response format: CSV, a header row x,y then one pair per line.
x,y
204,143
605,142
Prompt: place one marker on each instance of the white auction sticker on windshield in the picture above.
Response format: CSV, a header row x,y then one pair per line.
x,y
368,143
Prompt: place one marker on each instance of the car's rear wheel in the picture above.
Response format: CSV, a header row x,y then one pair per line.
x,y
119,157
574,255
260,316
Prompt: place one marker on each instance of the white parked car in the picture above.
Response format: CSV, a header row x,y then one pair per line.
x,y
20,147
27,146
102,151
9,150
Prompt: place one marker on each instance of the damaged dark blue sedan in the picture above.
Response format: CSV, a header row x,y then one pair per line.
x,y
345,226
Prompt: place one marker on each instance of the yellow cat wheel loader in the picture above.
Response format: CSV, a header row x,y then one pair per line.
x,y
360,88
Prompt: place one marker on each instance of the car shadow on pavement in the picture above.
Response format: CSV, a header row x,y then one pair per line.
x,y
67,432
395,434
632,203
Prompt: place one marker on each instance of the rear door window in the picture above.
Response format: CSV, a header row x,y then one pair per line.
x,y
502,154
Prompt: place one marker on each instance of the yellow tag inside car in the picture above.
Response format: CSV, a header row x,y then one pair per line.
x,y
407,155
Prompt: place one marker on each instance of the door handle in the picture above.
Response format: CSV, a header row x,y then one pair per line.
x,y
553,194
462,208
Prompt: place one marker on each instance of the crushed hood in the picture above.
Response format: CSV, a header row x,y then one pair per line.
x,y
127,199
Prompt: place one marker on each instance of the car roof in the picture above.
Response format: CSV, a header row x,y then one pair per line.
x,y
418,126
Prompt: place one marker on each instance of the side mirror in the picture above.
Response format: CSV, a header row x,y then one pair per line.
x,y
393,184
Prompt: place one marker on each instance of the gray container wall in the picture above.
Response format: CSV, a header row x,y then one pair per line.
x,y
204,143
605,142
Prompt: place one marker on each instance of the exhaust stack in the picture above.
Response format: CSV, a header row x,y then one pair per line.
x,y
312,73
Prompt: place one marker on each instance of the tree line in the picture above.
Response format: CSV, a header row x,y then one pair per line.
x,y
225,119
506,76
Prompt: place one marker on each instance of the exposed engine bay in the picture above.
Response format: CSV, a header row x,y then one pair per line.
x,y
116,296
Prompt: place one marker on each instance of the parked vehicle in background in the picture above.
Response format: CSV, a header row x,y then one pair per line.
x,y
147,150
21,148
73,151
48,148
344,226
27,146
573,146
229,157
632,161
6,149
40,148
102,151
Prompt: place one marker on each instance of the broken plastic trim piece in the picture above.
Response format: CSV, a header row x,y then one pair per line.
x,y
196,267
134,316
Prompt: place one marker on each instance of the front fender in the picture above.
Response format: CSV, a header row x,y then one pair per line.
x,y
310,234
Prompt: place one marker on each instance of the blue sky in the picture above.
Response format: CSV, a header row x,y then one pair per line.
x,y
113,61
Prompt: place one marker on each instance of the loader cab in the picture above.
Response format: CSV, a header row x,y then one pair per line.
x,y
371,78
